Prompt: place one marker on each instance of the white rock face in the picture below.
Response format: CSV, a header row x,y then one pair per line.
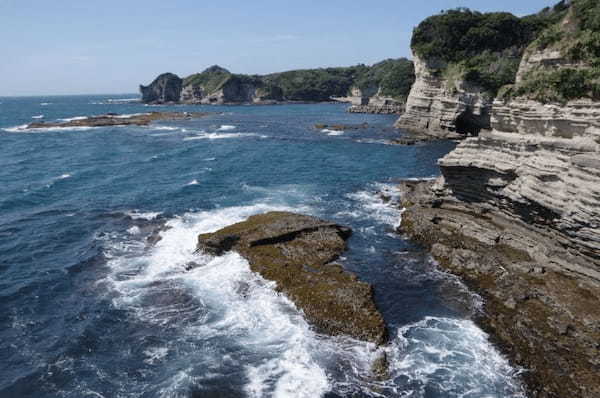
x,y
435,109
541,166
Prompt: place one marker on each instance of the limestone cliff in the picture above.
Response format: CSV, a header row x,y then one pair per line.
x,y
516,213
444,108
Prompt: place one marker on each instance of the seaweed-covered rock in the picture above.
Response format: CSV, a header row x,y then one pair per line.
x,y
297,251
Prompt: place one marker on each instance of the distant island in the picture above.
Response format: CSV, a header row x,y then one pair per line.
x,y
383,86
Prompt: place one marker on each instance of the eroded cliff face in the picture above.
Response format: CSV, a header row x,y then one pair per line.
x,y
517,215
442,107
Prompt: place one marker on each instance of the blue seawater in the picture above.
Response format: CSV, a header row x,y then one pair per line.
x,y
97,234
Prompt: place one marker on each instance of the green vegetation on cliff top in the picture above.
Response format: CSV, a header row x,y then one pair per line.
x,y
577,39
392,77
481,48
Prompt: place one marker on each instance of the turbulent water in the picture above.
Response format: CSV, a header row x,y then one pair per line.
x,y
92,306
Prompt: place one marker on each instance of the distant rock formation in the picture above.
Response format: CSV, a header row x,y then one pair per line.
x,y
165,88
385,83
297,252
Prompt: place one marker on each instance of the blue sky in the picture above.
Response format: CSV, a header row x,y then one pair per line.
x,y
87,46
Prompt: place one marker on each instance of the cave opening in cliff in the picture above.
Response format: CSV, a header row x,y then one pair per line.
x,y
468,124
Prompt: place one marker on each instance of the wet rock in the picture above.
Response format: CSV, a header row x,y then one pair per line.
x,y
381,367
141,119
543,312
297,251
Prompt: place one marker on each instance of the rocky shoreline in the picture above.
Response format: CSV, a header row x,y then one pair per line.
x,y
544,317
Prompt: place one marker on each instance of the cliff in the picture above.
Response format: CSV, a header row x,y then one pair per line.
x,y
165,88
386,83
444,108
516,212
462,58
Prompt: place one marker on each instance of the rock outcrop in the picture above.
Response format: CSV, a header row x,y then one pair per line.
x,y
516,213
444,108
166,88
297,252
114,119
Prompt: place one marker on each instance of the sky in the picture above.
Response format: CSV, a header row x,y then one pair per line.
x,y
55,47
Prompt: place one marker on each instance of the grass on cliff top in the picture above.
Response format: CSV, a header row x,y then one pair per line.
x,y
577,38
485,48
212,79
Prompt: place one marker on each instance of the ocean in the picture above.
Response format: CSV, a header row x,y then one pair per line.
x,y
91,307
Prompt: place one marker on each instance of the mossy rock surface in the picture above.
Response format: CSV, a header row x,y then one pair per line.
x,y
297,251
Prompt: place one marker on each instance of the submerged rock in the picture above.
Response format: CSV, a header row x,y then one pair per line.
x,y
296,251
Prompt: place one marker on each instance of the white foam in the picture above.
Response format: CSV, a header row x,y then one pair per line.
x,y
125,116
372,204
24,129
64,176
230,301
120,100
220,136
452,356
226,127
155,354
38,117
72,119
193,182
136,215
46,103
332,132
167,128
135,230
210,159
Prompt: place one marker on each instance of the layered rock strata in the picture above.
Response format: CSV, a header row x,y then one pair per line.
x,y
443,108
517,215
297,252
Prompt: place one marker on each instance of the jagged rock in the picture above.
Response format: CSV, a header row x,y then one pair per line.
x,y
166,88
441,108
297,251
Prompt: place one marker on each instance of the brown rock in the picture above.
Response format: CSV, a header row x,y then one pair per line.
x,y
111,119
296,251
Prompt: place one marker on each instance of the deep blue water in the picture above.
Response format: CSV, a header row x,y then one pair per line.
x,y
89,307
